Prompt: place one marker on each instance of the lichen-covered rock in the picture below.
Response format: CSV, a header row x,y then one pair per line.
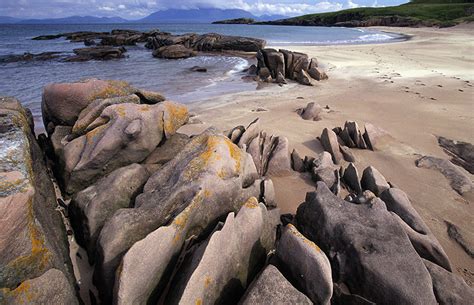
x,y
168,150
271,287
92,207
306,264
63,102
123,134
368,249
373,181
51,288
210,169
32,238
423,240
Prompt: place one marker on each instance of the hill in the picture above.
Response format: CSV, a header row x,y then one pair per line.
x,y
8,20
415,13
75,20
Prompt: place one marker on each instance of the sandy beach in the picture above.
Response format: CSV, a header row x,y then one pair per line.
x,y
415,90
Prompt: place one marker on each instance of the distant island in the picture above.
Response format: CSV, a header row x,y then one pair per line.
x,y
236,21
442,13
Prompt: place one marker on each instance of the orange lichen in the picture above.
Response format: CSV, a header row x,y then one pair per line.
x,y
198,302
175,116
235,153
207,281
297,233
114,89
90,136
252,203
22,294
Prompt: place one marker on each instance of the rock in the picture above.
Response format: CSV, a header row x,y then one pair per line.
x,y
231,257
264,73
342,296
63,102
317,73
374,136
280,79
268,193
198,69
326,171
270,154
462,153
355,135
312,111
351,179
371,252
167,150
252,131
305,264
304,78
210,174
52,287
251,70
346,138
89,42
448,287
373,180
31,57
122,135
97,53
330,144
176,51
271,287
33,238
275,62
235,133
458,180
92,207
455,234
300,63
347,154
296,162
150,97
216,42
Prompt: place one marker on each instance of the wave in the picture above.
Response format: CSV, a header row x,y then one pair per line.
x,y
241,64
360,39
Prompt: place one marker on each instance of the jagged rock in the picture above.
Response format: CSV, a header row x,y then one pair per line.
x,y
33,238
305,263
352,129
351,179
326,171
373,255
346,138
304,78
296,162
458,180
176,51
280,79
330,144
275,62
448,287
373,135
462,153
231,258
317,73
347,154
52,287
271,287
235,133
123,134
168,150
312,111
252,131
92,207
268,193
374,181
210,174
63,102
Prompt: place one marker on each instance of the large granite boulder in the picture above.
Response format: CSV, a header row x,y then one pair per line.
x,y
271,287
123,134
32,236
92,207
63,102
368,249
210,171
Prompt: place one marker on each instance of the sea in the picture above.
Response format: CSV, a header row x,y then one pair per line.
x,y
25,80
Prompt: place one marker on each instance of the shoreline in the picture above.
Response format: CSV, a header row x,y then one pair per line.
x,y
415,90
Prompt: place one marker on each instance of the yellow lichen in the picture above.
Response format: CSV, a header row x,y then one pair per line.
x,y
198,302
251,203
235,153
297,233
207,281
22,294
175,115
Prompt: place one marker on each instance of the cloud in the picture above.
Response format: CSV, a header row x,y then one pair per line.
x,y
139,8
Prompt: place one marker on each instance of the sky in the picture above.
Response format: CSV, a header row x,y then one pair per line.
x,y
135,9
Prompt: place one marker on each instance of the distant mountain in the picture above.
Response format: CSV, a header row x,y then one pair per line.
x,y
8,20
202,15
75,20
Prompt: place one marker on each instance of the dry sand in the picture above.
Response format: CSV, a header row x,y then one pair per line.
x,y
416,90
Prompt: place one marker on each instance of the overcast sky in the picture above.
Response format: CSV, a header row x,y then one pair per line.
x,y
133,9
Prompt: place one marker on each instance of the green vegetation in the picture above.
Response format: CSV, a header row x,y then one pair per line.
x,y
417,12
235,21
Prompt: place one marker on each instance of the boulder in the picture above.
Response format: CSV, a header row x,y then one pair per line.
x,y
312,111
462,153
97,53
305,264
330,144
326,171
231,258
449,288
90,208
63,102
33,238
458,180
52,287
271,287
354,133
347,153
304,78
317,73
274,61
167,150
217,42
374,181
374,136
210,173
369,251
296,162
123,134
176,51
280,79
351,179
264,74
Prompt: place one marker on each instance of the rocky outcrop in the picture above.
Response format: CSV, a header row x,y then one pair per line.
x,y
97,53
458,180
33,243
271,287
291,65
30,57
270,153
176,51
373,255
462,153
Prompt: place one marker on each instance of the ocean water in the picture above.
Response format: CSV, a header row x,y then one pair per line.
x,y
25,80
